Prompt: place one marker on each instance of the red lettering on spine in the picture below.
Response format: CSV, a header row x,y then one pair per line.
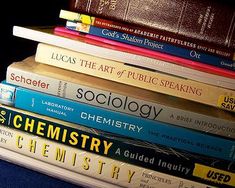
x,y
29,81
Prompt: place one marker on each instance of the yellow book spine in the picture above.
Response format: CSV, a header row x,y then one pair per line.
x,y
93,165
138,77
73,16
64,14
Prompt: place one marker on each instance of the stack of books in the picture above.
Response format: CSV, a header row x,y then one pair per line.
x,y
127,94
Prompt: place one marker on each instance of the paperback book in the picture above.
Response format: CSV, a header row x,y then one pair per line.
x,y
121,149
119,123
120,97
113,52
138,77
97,167
167,65
151,45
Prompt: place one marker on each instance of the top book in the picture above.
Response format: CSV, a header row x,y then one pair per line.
x,y
205,20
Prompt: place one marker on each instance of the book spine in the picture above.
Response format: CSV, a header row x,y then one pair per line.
x,y
72,42
76,160
52,170
130,151
145,79
151,45
202,74
119,102
205,23
156,35
123,124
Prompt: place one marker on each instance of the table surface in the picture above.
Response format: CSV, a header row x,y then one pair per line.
x,y
14,176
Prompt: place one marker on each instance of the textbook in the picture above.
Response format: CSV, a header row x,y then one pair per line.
x,y
170,64
48,169
152,34
151,45
118,123
161,62
142,154
88,164
138,77
120,97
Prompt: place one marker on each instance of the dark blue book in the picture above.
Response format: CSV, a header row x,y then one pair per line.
x,y
152,45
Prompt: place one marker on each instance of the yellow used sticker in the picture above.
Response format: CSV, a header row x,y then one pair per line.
x,y
214,174
226,102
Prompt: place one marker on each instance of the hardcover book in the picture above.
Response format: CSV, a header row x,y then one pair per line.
x,y
120,97
195,19
138,77
157,35
155,158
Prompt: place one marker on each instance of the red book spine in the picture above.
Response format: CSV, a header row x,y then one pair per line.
x,y
196,24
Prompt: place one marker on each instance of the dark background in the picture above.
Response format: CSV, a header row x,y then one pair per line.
x,y
25,13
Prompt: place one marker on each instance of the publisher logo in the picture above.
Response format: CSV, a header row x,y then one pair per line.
x,y
2,118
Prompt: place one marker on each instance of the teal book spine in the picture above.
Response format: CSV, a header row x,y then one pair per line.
x,y
124,124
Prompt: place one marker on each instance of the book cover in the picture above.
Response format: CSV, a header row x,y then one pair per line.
x,y
161,62
119,123
150,44
92,165
143,154
138,77
206,22
120,97
152,34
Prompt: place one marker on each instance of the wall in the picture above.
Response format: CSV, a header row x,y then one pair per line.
x,y
24,12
